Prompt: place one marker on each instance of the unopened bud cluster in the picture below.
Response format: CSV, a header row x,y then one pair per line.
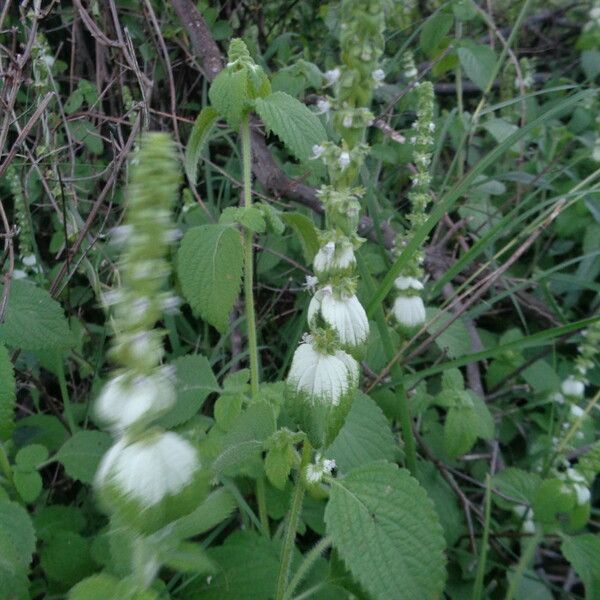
x,y
408,308
324,371
147,468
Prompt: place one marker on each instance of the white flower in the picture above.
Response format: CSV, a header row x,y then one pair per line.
x,y
317,150
325,377
572,387
378,75
411,72
595,13
19,274
29,261
149,470
582,492
332,76
344,160
528,526
409,310
407,283
558,398
345,315
122,403
331,257
314,473
347,122
576,411
310,282
323,107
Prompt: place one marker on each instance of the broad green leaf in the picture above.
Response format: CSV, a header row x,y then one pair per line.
x,y
278,465
49,520
17,537
589,464
248,566
28,484
187,558
198,138
209,263
244,441
66,558
81,454
8,395
292,122
228,94
517,484
41,429
84,131
307,234
478,62
33,320
365,437
434,30
250,217
582,552
459,431
195,381
387,532
453,340
106,587
30,457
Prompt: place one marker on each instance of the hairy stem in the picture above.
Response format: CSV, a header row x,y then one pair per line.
x,y
249,257
294,517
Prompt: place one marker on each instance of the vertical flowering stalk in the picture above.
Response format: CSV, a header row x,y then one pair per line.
x,y
149,476
324,373
408,308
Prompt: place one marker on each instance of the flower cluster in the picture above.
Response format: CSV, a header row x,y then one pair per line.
x,y
409,68
324,372
148,471
409,309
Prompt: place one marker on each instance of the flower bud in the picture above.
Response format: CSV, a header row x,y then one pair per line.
x,y
573,387
409,311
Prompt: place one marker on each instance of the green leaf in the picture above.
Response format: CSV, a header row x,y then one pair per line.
x,y
49,520
484,422
17,537
248,566
292,122
33,320
28,484
85,132
582,552
195,381
81,454
187,558
244,441
434,30
453,340
365,437
307,234
226,410
198,138
228,93
30,457
278,465
106,587
210,262
387,532
8,395
66,559
273,218
478,62
517,484
459,431
250,217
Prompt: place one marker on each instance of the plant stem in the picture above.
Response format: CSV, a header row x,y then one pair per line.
x,y
478,586
526,557
261,500
249,256
307,564
290,534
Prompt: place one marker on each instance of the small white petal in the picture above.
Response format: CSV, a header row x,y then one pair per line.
x,y
378,75
583,494
572,387
408,283
332,76
345,315
409,310
576,411
529,526
29,261
344,160
317,150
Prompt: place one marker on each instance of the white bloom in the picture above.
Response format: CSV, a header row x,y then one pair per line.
x,y
326,377
329,465
149,470
408,283
575,476
331,257
378,75
345,315
314,473
123,403
582,492
317,150
323,107
411,72
558,398
431,127
572,387
29,261
528,526
19,274
332,76
347,122
311,282
576,411
170,304
409,310
595,13
344,160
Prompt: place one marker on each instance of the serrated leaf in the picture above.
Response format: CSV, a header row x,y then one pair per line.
x,y
454,340
17,536
244,441
478,61
201,131
195,380
459,431
33,320
250,217
484,422
517,484
307,234
278,465
248,566
228,93
292,122
8,396
272,217
582,552
387,532
81,454
210,262
365,437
